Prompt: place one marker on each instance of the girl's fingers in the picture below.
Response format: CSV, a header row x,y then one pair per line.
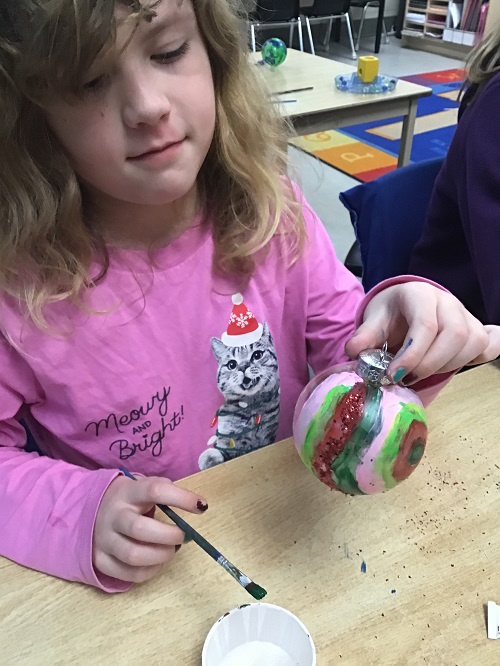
x,y
145,492
476,342
374,331
391,316
430,345
110,566
439,334
139,555
147,530
461,338
415,348
492,349
371,334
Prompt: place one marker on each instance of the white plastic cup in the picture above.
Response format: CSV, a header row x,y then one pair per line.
x,y
258,634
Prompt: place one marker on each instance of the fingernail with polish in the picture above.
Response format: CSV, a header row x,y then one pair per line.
x,y
399,374
410,379
201,506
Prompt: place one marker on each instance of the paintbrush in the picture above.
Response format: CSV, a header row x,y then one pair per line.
x,y
255,590
294,90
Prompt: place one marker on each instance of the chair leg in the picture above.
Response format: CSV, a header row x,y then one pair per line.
x,y
309,32
290,38
384,30
361,23
349,30
375,3
353,261
328,32
299,28
252,32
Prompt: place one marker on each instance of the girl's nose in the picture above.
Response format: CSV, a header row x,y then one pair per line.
x,y
144,100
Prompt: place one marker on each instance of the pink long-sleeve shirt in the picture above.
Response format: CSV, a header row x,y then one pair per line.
x,y
177,371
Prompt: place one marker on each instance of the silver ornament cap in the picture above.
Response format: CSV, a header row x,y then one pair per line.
x,y
373,364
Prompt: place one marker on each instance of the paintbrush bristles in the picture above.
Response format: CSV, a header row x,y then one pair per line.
x,y
252,588
255,590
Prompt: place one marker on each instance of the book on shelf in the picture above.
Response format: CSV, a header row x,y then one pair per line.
x,y
471,14
466,21
463,23
415,18
482,22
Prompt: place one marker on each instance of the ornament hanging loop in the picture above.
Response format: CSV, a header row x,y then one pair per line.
x,y
373,364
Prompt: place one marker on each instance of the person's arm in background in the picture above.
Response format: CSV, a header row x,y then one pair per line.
x,y
479,195
460,245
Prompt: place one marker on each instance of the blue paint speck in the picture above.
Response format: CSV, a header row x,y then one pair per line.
x,y
363,567
393,591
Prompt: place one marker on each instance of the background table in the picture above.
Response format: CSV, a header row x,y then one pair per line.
x,y
431,549
326,108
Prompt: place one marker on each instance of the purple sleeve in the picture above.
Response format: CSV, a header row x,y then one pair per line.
x,y
479,195
460,244
48,506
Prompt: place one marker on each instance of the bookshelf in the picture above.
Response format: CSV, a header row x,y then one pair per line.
x,y
447,27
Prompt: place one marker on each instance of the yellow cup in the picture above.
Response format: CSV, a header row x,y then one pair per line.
x,y
367,68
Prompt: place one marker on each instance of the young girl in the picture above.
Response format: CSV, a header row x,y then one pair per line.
x,y
163,285
460,245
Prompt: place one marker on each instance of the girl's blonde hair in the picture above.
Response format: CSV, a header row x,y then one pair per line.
x,y
47,243
484,59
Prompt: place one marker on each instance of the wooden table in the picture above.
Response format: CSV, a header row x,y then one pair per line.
x,y
431,548
326,108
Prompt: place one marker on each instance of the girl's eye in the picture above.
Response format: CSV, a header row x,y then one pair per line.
x,y
170,57
167,58
94,84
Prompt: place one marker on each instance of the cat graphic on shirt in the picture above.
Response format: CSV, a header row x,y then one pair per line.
x,y
248,379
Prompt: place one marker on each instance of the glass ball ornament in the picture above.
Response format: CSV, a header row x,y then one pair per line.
x,y
274,52
356,431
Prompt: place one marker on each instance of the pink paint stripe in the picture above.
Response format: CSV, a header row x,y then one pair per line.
x,y
368,479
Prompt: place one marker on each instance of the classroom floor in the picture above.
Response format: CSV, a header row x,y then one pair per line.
x,y
322,184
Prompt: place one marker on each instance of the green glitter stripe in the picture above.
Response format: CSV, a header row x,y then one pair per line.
x,y
384,462
317,427
344,465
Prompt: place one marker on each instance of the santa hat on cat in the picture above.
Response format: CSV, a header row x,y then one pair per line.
x,y
243,327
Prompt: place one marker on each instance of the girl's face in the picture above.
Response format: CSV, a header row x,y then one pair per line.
x,y
143,129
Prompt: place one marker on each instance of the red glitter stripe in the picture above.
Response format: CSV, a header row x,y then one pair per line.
x,y
339,429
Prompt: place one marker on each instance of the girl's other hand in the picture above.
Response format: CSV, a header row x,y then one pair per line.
x,y
129,545
428,327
